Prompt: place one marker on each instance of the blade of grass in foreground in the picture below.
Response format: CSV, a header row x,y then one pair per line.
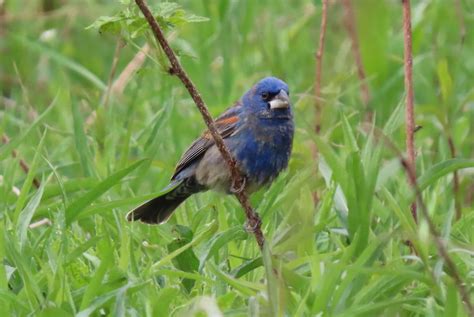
x,y
27,214
29,180
77,206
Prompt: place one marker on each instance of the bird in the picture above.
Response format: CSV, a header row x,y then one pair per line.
x,y
258,131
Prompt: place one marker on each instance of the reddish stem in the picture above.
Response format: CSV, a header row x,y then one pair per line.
x,y
319,66
352,31
409,110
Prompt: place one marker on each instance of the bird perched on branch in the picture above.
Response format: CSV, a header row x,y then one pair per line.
x,y
258,131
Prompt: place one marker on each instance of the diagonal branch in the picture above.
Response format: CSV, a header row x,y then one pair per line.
x,y
443,252
440,245
253,221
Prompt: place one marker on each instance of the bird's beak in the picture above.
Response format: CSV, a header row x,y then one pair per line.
x,y
280,101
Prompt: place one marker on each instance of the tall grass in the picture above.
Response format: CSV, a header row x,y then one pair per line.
x,y
343,254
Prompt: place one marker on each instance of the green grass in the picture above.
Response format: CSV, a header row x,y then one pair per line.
x,y
346,255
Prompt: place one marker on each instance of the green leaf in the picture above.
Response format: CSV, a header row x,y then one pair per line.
x,y
93,289
245,287
218,241
168,15
106,296
332,159
441,169
444,79
187,260
451,307
77,206
209,231
349,137
247,266
80,140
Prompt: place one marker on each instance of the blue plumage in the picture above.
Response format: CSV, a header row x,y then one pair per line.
x,y
258,130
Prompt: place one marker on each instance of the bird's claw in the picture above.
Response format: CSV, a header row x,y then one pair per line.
x,y
251,228
235,190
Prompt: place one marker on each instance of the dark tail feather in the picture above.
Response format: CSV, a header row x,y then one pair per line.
x,y
155,211
159,209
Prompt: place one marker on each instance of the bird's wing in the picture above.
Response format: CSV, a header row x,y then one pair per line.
x,y
226,124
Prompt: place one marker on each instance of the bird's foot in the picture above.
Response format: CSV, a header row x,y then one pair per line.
x,y
235,190
252,224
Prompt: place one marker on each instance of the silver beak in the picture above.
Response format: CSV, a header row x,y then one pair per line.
x,y
280,101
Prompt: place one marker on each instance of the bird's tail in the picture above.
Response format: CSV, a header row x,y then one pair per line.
x,y
159,209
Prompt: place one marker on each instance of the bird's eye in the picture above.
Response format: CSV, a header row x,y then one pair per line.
x,y
265,95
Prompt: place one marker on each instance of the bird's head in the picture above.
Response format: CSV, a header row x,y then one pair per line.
x,y
268,98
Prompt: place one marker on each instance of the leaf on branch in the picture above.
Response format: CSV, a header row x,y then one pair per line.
x,y
129,22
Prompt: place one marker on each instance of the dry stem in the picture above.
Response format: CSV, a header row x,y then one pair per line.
x,y
457,201
409,110
319,66
132,67
462,22
351,30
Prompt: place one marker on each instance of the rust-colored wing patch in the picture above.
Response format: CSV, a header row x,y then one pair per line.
x,y
225,125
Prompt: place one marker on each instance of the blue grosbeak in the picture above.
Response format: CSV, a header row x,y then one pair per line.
x,y
258,131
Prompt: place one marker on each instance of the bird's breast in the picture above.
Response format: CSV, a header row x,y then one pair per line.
x,y
262,148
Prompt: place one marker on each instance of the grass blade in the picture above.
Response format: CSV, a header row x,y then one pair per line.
x,y
29,180
6,149
77,206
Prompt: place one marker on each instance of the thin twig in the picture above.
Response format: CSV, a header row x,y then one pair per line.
x,y
457,201
106,97
319,66
253,221
462,22
409,110
352,31
380,137
132,67
113,69
39,223
24,166
442,250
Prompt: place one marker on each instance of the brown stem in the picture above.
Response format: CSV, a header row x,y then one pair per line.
x,y
253,221
462,23
24,166
457,202
409,110
132,67
113,69
319,66
106,97
352,31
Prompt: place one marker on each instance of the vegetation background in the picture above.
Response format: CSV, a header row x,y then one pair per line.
x,y
88,146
